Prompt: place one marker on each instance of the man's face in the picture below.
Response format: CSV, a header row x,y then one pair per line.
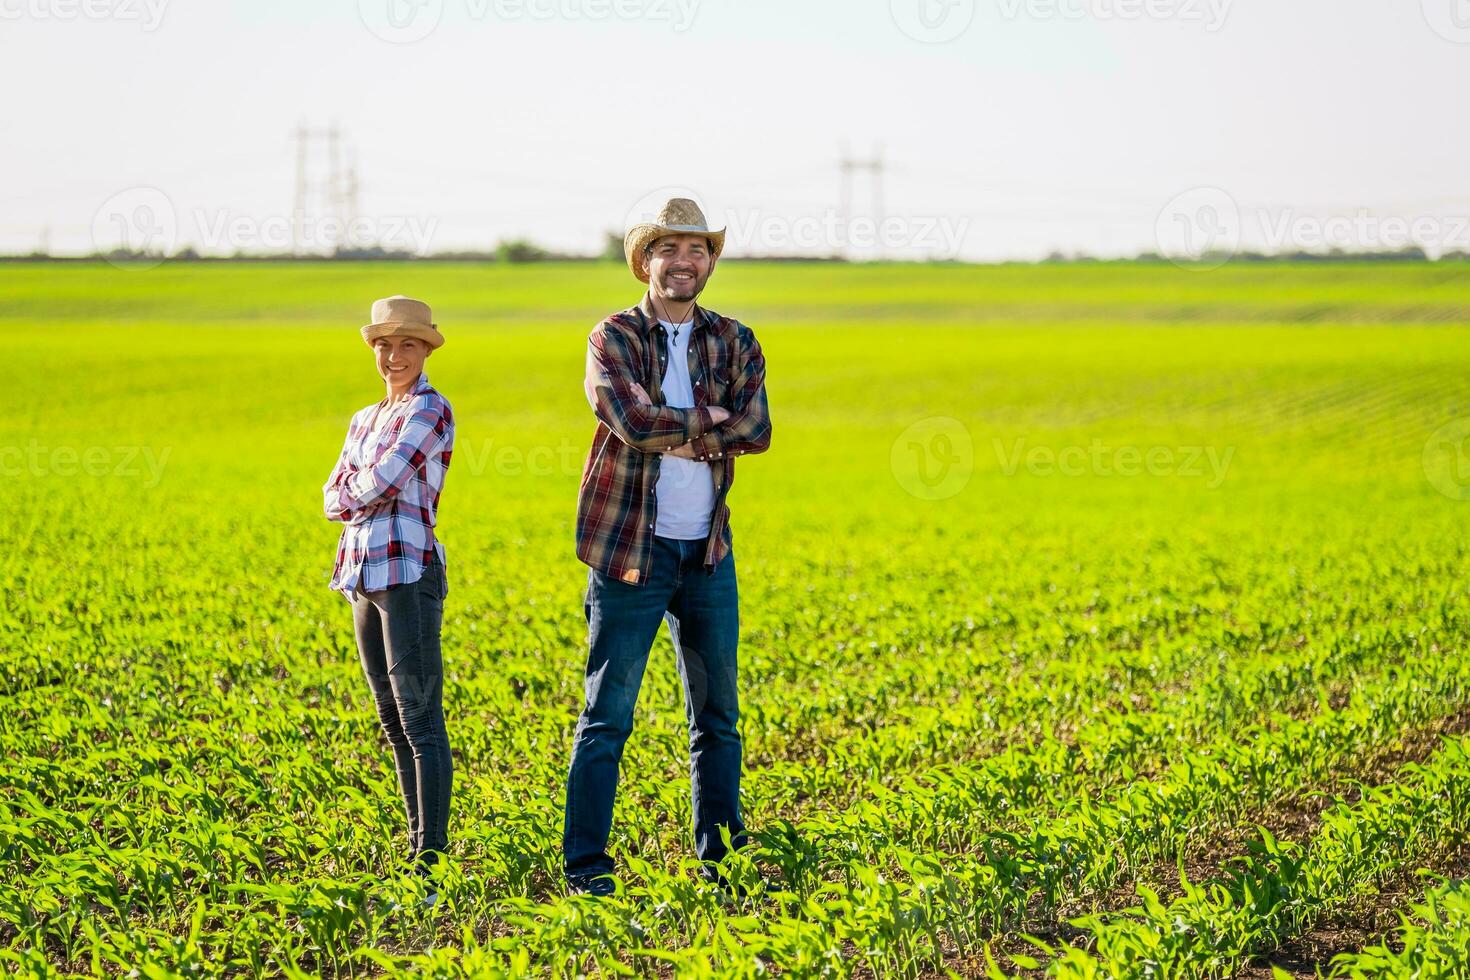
x,y
679,266
400,359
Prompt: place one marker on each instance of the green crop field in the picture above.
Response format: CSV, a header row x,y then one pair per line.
x,y
1120,607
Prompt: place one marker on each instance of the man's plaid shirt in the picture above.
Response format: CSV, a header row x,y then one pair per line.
x,y
616,504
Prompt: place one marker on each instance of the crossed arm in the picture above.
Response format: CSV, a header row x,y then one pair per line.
x,y
748,429
352,494
624,407
693,433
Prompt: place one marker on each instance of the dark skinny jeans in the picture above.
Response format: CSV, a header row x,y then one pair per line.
x,y
398,641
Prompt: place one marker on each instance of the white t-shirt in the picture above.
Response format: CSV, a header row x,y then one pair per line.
x,y
686,487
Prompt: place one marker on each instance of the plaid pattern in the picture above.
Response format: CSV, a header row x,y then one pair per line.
x,y
385,491
616,503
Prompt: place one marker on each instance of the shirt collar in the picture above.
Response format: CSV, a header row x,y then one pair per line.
x,y
698,314
421,384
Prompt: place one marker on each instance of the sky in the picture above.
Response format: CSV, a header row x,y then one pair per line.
x,y
1006,129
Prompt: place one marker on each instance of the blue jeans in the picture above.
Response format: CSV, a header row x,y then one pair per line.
x,y
703,614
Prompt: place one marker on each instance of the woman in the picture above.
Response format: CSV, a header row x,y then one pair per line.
x,y
390,566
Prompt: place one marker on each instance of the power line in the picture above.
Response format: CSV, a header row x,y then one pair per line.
x,y
336,195
846,168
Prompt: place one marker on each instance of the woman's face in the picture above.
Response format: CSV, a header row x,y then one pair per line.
x,y
400,359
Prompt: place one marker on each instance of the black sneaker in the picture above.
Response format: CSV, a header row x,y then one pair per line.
x,y
598,886
423,870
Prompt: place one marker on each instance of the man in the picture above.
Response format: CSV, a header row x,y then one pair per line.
x,y
679,392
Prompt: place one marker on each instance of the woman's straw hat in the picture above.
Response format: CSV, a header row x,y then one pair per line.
x,y
399,316
680,216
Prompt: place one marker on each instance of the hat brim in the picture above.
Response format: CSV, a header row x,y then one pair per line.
x,y
427,332
640,237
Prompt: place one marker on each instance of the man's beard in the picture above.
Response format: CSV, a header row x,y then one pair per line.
x,y
681,292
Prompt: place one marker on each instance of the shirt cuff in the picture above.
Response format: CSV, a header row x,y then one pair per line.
x,y
357,486
708,448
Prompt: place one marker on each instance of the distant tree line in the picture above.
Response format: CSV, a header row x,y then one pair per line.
x,y
520,250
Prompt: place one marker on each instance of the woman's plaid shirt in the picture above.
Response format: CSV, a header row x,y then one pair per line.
x,y
616,504
385,491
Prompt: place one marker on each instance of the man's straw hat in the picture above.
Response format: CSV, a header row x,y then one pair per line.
x,y
680,216
399,316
